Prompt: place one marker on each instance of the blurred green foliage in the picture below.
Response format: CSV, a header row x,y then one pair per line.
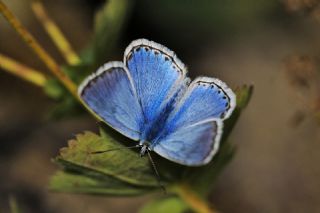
x,y
167,204
193,20
108,24
13,204
123,172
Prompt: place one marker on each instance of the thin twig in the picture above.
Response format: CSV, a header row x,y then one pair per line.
x,y
55,33
193,199
22,71
35,46
14,208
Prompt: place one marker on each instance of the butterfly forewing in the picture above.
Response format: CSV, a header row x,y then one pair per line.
x,y
110,94
157,74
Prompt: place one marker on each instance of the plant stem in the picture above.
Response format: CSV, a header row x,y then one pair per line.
x,y
22,71
35,46
55,33
192,199
14,208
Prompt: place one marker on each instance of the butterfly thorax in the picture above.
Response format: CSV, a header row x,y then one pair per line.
x,y
153,129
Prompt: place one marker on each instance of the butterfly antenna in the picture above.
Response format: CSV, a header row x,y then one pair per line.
x,y
156,172
114,149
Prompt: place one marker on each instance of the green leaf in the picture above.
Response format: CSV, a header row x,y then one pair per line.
x,y
79,183
54,89
169,204
168,170
124,165
205,176
78,72
109,22
243,94
66,105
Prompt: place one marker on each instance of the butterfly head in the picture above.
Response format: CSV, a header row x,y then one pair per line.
x,y
145,147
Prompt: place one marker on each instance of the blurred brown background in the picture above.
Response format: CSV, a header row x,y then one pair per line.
x,y
276,167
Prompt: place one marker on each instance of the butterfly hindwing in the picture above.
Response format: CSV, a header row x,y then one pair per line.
x,y
110,94
156,72
196,122
193,145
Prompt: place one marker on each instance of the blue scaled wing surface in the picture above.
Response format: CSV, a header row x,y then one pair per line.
x,y
157,75
192,133
110,94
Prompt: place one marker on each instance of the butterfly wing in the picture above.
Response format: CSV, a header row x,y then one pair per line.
x,y
191,145
110,94
157,74
193,130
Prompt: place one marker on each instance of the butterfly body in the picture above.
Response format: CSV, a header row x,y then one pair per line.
x,y
148,98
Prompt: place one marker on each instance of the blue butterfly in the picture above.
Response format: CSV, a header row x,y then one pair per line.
x,y
148,98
